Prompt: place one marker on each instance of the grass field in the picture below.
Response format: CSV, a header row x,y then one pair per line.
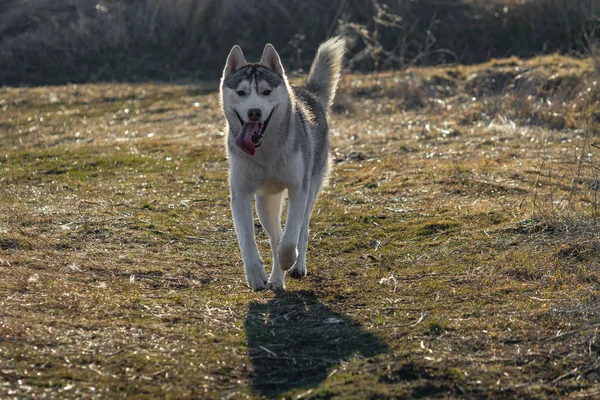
x,y
454,254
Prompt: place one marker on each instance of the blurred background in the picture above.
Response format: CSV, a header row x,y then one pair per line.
x,y
59,41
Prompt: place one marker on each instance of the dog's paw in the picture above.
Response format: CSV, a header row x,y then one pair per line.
x,y
256,278
287,256
276,286
298,272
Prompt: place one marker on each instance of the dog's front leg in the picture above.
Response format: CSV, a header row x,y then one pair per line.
x,y
288,251
241,207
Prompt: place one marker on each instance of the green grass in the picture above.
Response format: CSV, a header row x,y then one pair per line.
x,y
449,257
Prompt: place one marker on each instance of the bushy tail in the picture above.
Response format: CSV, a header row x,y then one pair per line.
x,y
325,70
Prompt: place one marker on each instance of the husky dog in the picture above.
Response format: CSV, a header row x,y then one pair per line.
x,y
277,140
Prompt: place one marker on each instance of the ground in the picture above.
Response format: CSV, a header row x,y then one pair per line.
x,y
454,253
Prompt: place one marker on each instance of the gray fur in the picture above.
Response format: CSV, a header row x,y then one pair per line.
x,y
316,117
253,72
293,155
325,71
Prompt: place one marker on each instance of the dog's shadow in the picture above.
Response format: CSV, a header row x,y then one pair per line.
x,y
295,341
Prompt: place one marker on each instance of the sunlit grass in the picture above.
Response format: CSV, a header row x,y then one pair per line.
x,y
443,260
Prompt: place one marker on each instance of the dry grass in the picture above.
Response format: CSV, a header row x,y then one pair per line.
x,y
442,262
66,41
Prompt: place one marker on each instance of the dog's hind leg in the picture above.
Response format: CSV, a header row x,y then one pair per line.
x,y
299,269
268,208
241,207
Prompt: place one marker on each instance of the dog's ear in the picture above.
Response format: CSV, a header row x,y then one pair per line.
x,y
271,60
235,60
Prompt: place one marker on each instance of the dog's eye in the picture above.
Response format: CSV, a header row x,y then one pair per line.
x,y
241,93
267,92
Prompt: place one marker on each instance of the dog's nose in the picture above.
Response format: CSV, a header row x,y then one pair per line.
x,y
254,114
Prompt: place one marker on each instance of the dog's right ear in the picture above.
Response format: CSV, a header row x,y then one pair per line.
x,y
235,60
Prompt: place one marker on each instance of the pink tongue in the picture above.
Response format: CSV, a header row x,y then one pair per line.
x,y
244,138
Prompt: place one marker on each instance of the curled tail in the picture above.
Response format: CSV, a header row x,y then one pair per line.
x,y
325,71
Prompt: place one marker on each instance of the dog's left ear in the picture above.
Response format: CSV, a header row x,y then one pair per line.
x,y
271,60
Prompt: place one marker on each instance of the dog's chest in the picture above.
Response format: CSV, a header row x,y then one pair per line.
x,y
270,187
258,175
288,173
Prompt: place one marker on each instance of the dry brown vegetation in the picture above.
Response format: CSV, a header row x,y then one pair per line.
x,y
71,41
454,253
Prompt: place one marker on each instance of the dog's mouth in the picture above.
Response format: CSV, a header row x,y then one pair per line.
x,y
250,137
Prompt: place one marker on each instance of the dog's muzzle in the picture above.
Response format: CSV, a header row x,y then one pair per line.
x,y
251,135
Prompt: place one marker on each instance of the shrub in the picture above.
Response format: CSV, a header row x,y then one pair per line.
x,y
58,41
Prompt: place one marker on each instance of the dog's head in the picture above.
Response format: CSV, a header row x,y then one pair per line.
x,y
251,95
